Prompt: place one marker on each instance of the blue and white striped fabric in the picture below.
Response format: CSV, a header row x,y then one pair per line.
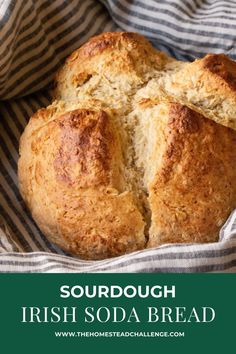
x,y
35,38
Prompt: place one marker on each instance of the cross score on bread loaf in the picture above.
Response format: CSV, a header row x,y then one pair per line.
x,y
126,156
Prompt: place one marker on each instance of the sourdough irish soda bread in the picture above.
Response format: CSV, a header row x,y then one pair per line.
x,y
136,150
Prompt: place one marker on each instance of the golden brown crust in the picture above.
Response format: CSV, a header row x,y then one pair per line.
x,y
192,192
109,40
207,85
222,67
85,142
70,174
120,59
102,226
130,45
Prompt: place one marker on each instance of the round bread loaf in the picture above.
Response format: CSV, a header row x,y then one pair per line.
x,y
125,158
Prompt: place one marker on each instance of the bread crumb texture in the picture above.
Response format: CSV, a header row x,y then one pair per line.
x,y
137,149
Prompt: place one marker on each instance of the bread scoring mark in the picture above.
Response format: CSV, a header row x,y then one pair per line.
x,y
84,148
223,67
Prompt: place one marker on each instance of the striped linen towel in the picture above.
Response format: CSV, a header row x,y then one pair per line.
x,y
35,38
